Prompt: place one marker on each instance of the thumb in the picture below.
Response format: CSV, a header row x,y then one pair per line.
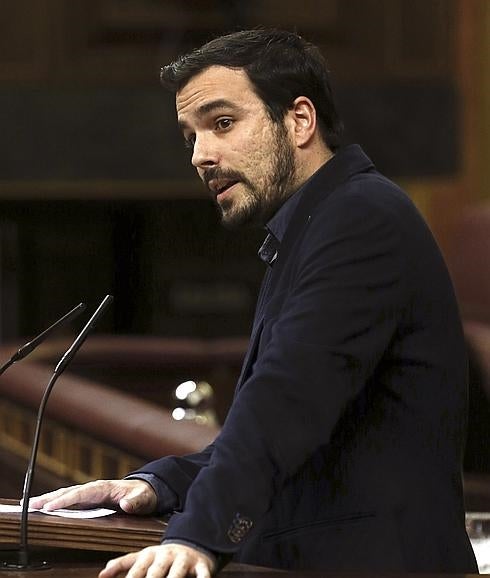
x,y
127,505
135,501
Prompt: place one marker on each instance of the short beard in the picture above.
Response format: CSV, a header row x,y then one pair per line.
x,y
261,205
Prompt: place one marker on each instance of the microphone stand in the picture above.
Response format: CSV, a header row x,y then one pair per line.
x,y
23,562
31,345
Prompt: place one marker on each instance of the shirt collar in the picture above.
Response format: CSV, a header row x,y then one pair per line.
x,y
279,222
276,229
277,225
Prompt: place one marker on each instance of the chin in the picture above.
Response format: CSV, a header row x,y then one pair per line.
x,y
239,221
245,216
232,223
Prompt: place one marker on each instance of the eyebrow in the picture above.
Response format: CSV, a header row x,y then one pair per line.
x,y
208,107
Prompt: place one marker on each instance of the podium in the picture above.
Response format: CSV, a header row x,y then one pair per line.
x,y
75,547
79,548
117,533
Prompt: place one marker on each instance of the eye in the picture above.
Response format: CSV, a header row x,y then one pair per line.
x,y
224,123
189,141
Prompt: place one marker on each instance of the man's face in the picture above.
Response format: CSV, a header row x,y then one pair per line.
x,y
245,159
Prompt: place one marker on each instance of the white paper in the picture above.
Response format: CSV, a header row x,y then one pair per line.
x,y
81,514
481,547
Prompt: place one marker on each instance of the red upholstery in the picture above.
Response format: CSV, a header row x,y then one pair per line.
x,y
469,262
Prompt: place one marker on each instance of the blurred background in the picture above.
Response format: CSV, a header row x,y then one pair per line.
x,y
97,190
98,196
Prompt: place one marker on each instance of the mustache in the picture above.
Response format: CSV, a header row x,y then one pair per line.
x,y
218,173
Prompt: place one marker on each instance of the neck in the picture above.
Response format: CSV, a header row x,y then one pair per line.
x,y
310,162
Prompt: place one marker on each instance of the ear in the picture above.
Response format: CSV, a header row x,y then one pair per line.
x,y
302,118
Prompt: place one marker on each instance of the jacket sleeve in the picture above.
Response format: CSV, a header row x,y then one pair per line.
x,y
176,472
319,344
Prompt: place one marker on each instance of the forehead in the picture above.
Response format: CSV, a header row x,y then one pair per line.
x,y
216,84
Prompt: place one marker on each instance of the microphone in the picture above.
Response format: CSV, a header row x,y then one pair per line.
x,y
28,347
23,554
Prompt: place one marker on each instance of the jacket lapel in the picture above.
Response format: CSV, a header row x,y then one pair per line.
x,y
341,167
346,163
257,328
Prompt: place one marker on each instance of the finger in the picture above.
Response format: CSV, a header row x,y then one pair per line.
x,y
132,505
66,500
118,565
141,499
150,563
92,493
189,562
87,494
40,501
181,566
203,570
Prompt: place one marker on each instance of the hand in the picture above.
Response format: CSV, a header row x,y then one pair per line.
x,y
172,560
132,496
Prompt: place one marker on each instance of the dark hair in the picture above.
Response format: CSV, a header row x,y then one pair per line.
x,y
280,65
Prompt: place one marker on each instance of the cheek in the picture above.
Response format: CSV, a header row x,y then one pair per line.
x,y
252,153
257,167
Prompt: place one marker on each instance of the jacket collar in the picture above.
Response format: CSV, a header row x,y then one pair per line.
x,y
346,163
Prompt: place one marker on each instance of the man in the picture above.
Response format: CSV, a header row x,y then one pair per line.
x,y
342,448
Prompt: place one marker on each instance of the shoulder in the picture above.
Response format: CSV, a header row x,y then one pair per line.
x,y
369,200
372,191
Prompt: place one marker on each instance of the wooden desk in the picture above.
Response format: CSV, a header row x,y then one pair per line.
x,y
83,564
117,533
73,563
76,548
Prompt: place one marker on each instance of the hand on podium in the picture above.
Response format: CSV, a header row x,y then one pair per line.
x,y
132,496
174,560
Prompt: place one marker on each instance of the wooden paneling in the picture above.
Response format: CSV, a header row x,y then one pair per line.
x,y
99,126
82,116
447,198
26,46
109,42
419,36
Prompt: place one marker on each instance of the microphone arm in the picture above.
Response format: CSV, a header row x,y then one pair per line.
x,y
31,345
63,363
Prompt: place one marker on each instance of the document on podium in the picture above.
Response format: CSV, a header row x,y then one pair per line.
x,y
63,513
114,532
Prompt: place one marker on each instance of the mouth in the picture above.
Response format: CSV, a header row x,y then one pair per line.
x,y
221,186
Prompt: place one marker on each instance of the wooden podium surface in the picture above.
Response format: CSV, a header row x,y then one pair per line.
x,y
79,548
115,533
69,563
64,563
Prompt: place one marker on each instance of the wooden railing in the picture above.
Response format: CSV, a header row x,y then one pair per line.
x,y
93,429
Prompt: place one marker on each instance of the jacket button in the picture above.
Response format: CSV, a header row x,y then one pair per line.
x,y
240,526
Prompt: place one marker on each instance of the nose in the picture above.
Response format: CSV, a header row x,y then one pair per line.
x,y
205,152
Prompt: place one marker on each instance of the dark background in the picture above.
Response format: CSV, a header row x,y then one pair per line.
x,y
97,193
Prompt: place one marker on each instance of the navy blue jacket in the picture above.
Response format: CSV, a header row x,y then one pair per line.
x,y
342,448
